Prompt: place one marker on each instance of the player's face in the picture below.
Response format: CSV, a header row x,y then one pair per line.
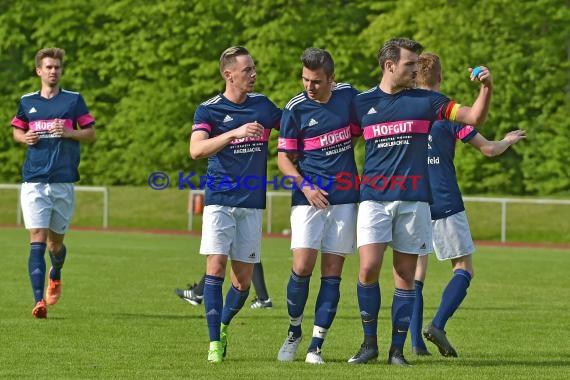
x,y
242,73
317,84
50,71
406,70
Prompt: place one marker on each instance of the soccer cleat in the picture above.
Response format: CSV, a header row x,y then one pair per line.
x,y
224,337
420,351
216,352
364,354
314,357
439,338
40,310
289,348
189,295
53,291
256,303
396,357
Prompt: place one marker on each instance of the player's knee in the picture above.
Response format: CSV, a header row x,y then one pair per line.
x,y
54,246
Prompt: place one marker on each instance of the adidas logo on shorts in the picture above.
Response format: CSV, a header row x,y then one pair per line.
x,y
252,255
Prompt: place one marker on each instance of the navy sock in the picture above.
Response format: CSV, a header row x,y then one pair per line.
x,y
297,294
234,302
199,288
57,261
325,310
369,299
258,280
452,296
402,309
418,317
213,302
37,269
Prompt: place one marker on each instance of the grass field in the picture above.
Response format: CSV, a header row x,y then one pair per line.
x,y
119,318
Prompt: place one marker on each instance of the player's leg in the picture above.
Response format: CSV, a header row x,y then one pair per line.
x,y
262,299
373,233
416,324
57,253
412,237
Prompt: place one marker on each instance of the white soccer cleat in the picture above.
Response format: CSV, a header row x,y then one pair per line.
x,y
314,357
289,348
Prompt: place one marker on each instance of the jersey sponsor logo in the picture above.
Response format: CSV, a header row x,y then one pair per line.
x,y
33,110
328,139
371,111
313,122
433,160
396,128
42,125
227,119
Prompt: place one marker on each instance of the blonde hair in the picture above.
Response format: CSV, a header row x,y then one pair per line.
x,y
429,70
229,55
55,53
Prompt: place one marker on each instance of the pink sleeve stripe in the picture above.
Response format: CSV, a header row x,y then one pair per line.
x,y
328,139
355,130
400,127
202,126
84,120
20,124
463,132
286,144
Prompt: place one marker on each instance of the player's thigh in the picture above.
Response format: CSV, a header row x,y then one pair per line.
x,y
307,227
63,200
339,235
218,230
452,237
36,205
412,232
247,244
374,223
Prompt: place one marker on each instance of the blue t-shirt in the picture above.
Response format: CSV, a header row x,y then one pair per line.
x,y
442,178
396,128
321,134
236,174
52,159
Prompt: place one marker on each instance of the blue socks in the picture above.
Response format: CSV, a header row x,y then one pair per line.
x,y
297,294
402,309
325,310
369,304
57,261
417,317
37,269
213,301
452,296
234,302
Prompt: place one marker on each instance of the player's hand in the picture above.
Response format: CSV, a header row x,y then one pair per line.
x,y
58,128
484,76
254,130
316,196
31,137
515,136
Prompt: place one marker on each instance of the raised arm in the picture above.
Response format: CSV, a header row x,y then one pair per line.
x,y
477,113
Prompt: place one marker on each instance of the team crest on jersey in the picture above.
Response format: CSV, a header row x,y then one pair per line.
x,y
227,119
371,111
313,122
33,110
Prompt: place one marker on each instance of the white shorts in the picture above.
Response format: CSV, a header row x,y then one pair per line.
x,y
47,205
232,231
403,225
330,230
452,237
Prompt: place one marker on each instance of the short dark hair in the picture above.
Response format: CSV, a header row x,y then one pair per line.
x,y
229,56
55,53
315,59
429,69
391,50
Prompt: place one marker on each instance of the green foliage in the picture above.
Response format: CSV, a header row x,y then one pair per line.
x,y
144,66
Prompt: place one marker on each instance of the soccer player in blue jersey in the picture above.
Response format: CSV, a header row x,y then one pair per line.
x,y
315,146
52,122
451,236
232,130
395,192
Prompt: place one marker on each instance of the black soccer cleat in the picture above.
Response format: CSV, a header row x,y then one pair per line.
x,y
364,354
396,357
439,338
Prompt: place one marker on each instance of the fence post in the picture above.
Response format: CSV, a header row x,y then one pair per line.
x,y
503,221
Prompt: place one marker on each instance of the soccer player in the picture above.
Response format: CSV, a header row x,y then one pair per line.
x,y
52,122
315,145
395,192
451,236
195,293
232,130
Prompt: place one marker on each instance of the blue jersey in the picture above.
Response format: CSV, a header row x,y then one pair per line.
x,y
446,195
395,129
321,134
52,159
237,173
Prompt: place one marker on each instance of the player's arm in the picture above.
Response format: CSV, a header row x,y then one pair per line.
x,y
495,148
202,146
28,137
317,197
86,135
477,113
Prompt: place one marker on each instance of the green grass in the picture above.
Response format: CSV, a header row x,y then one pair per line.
x,y
142,207
119,318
